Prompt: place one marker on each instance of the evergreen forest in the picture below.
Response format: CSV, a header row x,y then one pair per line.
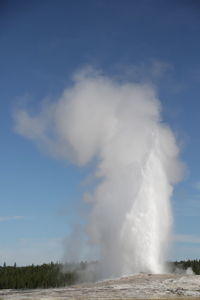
x,y
58,275
35,276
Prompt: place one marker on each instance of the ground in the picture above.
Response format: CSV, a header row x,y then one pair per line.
x,y
132,287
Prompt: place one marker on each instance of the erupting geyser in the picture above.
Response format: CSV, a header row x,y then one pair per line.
x,y
118,125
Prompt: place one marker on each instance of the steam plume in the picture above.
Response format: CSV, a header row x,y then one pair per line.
x,y
118,125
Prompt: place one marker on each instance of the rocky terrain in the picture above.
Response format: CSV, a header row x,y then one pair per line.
x,y
131,287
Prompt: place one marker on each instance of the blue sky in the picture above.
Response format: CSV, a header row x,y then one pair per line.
x,y
42,43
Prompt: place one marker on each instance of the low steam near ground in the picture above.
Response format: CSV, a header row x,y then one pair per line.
x,y
143,286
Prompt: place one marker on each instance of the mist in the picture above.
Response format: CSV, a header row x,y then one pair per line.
x,y
118,126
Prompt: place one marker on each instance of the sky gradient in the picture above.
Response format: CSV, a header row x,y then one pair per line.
x,y
43,43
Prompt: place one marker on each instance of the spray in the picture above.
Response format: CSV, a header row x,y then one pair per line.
x,y
119,126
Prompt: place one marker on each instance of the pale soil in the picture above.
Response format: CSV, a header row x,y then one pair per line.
x,y
131,287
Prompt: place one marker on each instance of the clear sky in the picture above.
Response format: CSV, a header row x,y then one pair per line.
x,y
42,43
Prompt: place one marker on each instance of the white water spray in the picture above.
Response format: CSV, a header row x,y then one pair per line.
x,y
137,163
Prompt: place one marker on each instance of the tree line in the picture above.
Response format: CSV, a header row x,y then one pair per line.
x,y
35,276
185,264
58,275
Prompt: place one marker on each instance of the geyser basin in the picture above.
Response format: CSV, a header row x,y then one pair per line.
x,y
133,287
119,125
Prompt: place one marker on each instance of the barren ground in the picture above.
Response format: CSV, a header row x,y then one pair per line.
x,y
131,287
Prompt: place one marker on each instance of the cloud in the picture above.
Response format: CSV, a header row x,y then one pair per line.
x,y
197,185
149,71
187,201
185,247
28,251
184,238
11,218
185,251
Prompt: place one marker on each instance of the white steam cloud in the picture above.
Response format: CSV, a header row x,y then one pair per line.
x,y
119,125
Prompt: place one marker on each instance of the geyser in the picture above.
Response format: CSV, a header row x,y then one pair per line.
x,y
119,127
